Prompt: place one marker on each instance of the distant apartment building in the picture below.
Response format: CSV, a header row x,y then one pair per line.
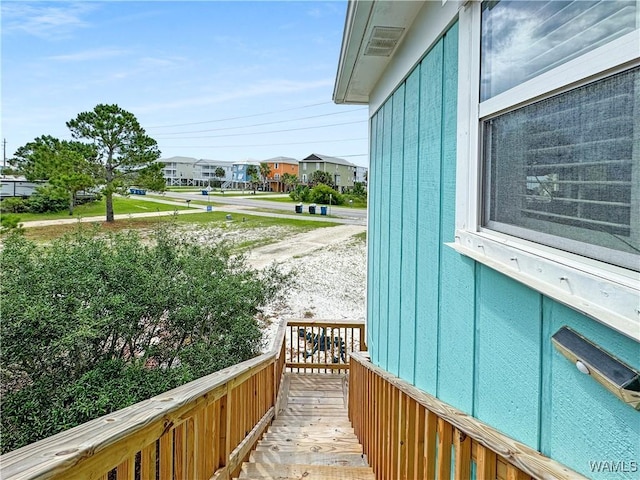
x,y
278,167
188,171
342,171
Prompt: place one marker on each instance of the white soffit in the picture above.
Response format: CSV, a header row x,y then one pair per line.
x,y
370,25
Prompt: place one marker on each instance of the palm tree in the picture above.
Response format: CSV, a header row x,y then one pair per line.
x,y
219,173
252,175
290,181
265,171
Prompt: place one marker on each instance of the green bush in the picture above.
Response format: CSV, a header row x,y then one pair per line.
x,y
14,205
300,193
47,199
9,222
323,194
93,323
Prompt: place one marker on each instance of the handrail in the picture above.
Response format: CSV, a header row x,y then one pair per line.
x,y
203,429
316,345
419,432
197,430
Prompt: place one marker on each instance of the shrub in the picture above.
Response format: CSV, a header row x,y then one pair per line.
x,y
9,222
14,205
300,193
323,194
93,323
47,199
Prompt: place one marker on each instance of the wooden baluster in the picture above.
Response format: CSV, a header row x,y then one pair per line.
x,y
127,469
486,464
402,435
148,462
431,422
419,440
411,421
514,473
166,455
444,449
395,434
462,445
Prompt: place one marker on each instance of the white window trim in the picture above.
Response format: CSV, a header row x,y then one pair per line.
x,y
604,292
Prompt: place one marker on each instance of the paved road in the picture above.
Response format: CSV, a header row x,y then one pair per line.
x,y
247,201
236,205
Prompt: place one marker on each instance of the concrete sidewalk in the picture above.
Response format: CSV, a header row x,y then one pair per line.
x,y
238,210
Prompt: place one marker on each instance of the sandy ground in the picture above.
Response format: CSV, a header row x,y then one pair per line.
x,y
331,275
330,267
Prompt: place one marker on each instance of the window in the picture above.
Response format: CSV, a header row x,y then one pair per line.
x,y
276,166
560,171
304,178
277,176
521,40
548,175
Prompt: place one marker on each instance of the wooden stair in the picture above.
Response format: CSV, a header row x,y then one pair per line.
x,y
311,437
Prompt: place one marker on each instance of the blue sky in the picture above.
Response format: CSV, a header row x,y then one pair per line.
x,y
187,70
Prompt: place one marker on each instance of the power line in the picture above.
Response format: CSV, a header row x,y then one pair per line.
x,y
269,131
263,124
268,144
243,116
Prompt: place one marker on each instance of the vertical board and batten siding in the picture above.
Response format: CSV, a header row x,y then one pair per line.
x,y
460,330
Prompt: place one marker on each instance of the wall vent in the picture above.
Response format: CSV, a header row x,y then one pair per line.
x,y
383,40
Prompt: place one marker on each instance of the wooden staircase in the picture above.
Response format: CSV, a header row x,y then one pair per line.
x,y
311,437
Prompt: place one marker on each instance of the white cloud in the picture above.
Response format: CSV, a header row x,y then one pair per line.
x,y
88,55
45,21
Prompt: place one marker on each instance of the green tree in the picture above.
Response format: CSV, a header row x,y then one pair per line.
x,y
122,145
320,177
68,166
151,177
290,181
220,174
265,171
94,323
252,177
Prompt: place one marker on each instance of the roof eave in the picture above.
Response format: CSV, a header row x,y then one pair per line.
x,y
358,73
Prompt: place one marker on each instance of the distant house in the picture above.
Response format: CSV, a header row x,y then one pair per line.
x,y
178,171
279,166
361,175
239,176
342,171
504,207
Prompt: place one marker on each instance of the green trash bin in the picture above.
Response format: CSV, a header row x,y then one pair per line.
x,y
299,208
312,209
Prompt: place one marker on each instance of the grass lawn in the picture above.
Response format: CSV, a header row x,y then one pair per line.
x,y
121,205
240,221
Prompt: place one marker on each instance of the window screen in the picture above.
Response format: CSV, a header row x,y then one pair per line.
x,y
565,171
522,39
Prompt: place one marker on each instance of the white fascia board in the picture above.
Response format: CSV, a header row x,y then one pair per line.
x,y
358,14
430,24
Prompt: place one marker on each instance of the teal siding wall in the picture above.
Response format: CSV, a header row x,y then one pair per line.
x,y
460,330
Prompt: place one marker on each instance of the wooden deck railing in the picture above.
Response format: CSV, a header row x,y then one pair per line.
x,y
323,345
407,434
202,430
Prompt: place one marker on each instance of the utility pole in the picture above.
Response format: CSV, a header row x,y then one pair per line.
x,y
4,155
